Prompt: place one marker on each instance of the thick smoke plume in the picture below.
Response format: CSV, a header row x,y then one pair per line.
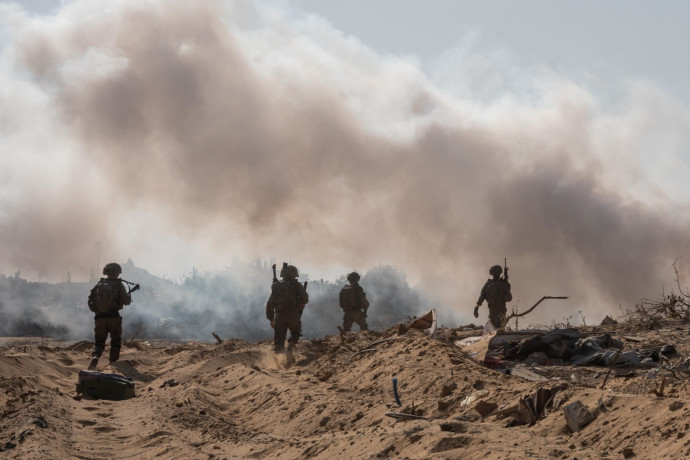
x,y
188,132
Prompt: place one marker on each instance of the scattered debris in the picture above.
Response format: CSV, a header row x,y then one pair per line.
x,y
113,387
675,405
366,350
660,391
454,426
473,397
613,362
577,416
170,383
381,341
522,372
628,452
447,390
424,322
535,407
400,415
608,321
485,407
395,391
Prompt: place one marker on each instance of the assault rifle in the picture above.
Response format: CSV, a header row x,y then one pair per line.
x,y
275,278
505,269
132,286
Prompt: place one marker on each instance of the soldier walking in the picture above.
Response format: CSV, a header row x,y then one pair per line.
x,y
284,308
106,300
496,292
353,301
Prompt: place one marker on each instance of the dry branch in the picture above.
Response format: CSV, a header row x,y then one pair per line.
x,y
518,315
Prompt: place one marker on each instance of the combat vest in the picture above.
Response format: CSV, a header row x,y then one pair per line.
x,y
105,295
496,291
284,295
350,298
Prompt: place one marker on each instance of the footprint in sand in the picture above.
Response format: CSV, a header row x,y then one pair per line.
x,y
87,422
105,429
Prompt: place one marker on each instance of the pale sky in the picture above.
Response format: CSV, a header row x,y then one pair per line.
x,y
603,40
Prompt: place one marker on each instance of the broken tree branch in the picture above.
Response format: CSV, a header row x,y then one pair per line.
x,y
518,315
360,352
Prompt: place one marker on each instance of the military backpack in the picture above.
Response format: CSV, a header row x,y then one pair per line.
x,y
349,298
284,295
103,295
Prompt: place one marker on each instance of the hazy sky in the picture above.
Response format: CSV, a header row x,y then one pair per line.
x,y
436,136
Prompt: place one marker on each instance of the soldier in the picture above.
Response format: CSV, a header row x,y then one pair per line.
x,y
496,292
353,301
106,300
284,308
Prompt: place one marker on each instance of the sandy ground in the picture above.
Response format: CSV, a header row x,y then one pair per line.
x,y
239,400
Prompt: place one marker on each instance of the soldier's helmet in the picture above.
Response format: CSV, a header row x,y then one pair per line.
x,y
112,269
353,277
290,272
496,270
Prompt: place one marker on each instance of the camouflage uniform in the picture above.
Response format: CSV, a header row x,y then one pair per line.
x,y
110,321
496,292
354,311
284,309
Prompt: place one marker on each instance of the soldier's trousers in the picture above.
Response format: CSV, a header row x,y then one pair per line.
x,y
355,316
103,327
497,314
283,321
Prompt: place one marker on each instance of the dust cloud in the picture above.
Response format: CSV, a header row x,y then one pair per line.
x,y
191,132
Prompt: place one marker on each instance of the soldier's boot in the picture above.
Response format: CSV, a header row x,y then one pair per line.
x,y
93,363
289,354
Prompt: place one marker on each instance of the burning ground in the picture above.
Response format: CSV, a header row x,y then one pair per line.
x,y
237,400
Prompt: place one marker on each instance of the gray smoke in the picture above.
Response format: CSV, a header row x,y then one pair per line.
x,y
196,130
229,302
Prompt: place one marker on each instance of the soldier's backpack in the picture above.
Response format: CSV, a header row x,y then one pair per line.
x,y
103,295
114,387
349,298
495,292
284,296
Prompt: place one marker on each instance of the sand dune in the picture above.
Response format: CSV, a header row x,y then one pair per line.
x,y
238,400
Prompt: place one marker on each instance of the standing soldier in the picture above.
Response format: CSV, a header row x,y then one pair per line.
x,y
496,292
284,308
353,301
106,300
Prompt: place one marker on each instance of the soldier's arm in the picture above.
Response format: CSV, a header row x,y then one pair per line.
x,y
482,296
269,308
363,298
125,297
302,295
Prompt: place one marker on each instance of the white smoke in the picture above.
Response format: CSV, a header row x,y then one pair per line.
x,y
187,133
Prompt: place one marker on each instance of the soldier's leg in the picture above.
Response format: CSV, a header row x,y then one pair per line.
x,y
115,329
100,335
279,332
361,320
497,315
348,319
295,326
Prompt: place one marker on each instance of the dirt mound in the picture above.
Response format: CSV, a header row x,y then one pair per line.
x,y
337,400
